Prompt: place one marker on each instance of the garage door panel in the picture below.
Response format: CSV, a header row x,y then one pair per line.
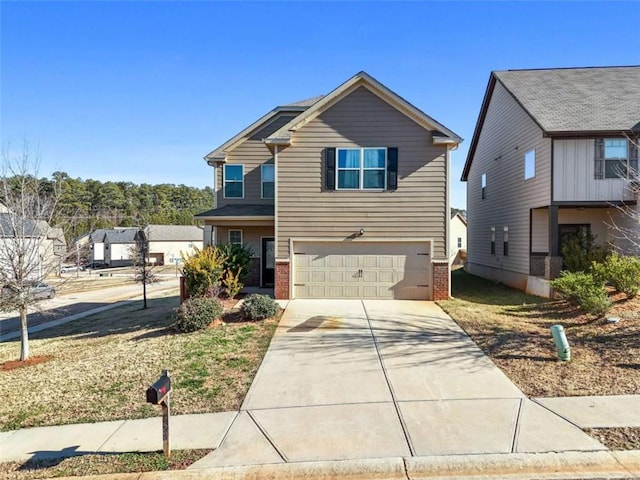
x,y
362,270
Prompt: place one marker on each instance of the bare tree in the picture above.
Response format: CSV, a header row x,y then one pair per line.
x,y
28,250
627,226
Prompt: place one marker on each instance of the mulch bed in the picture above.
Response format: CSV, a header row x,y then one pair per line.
x,y
13,364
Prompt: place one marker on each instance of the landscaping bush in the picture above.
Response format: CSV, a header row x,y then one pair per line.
x,y
583,290
231,283
621,272
259,307
581,251
203,271
237,259
196,313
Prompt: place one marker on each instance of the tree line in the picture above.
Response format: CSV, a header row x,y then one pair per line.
x,y
84,205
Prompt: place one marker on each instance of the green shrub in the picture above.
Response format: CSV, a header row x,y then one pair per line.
x,y
196,313
621,272
259,307
581,251
203,271
231,283
582,290
237,259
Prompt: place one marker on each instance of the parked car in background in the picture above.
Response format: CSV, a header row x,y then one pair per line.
x,y
37,290
71,268
96,265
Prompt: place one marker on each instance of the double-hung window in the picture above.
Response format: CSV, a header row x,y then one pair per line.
x,y
268,181
361,168
233,181
235,237
616,157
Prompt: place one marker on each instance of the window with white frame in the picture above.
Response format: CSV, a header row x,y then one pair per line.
x,y
616,157
505,241
235,237
268,181
459,242
361,168
483,186
233,181
529,164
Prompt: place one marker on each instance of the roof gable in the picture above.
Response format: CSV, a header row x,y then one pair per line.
x,y
283,135
569,101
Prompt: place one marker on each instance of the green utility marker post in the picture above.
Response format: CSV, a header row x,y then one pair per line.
x,y
562,345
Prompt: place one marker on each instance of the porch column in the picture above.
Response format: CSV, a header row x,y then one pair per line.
x,y
553,261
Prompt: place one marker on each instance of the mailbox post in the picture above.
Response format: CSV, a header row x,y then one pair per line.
x,y
159,394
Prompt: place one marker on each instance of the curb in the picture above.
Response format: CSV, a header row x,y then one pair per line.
x,y
573,465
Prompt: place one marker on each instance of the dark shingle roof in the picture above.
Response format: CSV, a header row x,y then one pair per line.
x,y
123,235
10,227
173,233
239,211
578,99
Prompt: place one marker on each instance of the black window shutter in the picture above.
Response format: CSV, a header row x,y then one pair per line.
x,y
392,168
633,156
599,159
330,168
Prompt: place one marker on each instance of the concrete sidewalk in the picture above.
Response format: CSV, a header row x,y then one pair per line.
x,y
349,383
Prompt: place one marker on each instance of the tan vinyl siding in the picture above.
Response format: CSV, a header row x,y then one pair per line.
x,y
251,153
250,236
507,133
361,119
573,178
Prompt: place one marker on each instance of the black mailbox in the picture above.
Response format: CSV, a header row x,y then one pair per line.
x,y
157,392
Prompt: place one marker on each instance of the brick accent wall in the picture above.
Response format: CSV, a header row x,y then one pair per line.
x,y
282,280
253,279
440,280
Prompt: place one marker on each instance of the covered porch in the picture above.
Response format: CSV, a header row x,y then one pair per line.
x,y
553,226
249,225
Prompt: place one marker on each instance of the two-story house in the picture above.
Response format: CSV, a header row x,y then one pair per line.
x,y
553,153
341,196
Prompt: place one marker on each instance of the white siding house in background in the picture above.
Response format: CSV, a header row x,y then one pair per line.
x,y
168,242
457,240
551,155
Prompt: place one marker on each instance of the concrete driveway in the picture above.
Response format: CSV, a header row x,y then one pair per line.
x,y
353,379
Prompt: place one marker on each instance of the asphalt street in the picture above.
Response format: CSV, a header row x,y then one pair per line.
x,y
73,303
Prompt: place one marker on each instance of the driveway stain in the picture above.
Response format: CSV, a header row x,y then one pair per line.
x,y
318,321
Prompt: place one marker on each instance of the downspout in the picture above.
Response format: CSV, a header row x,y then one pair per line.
x,y
447,225
275,202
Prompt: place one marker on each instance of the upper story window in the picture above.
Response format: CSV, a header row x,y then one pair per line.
x,y
616,157
235,237
361,168
505,241
233,181
459,242
483,185
529,164
268,180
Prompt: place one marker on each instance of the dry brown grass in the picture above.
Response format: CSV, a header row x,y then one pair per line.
x,y
513,329
102,365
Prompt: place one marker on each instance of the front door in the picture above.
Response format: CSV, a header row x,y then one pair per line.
x,y
268,262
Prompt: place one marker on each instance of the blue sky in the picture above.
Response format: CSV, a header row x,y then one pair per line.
x,y
141,91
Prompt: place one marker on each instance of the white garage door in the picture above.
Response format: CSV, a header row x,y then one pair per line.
x,y
400,270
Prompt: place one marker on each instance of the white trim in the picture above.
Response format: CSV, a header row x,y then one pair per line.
x,y
275,201
235,230
262,181
224,180
362,169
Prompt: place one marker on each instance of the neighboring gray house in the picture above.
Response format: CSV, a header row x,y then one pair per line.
x,y
340,196
552,154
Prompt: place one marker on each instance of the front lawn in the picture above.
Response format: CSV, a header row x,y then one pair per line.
x,y
99,367
512,328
